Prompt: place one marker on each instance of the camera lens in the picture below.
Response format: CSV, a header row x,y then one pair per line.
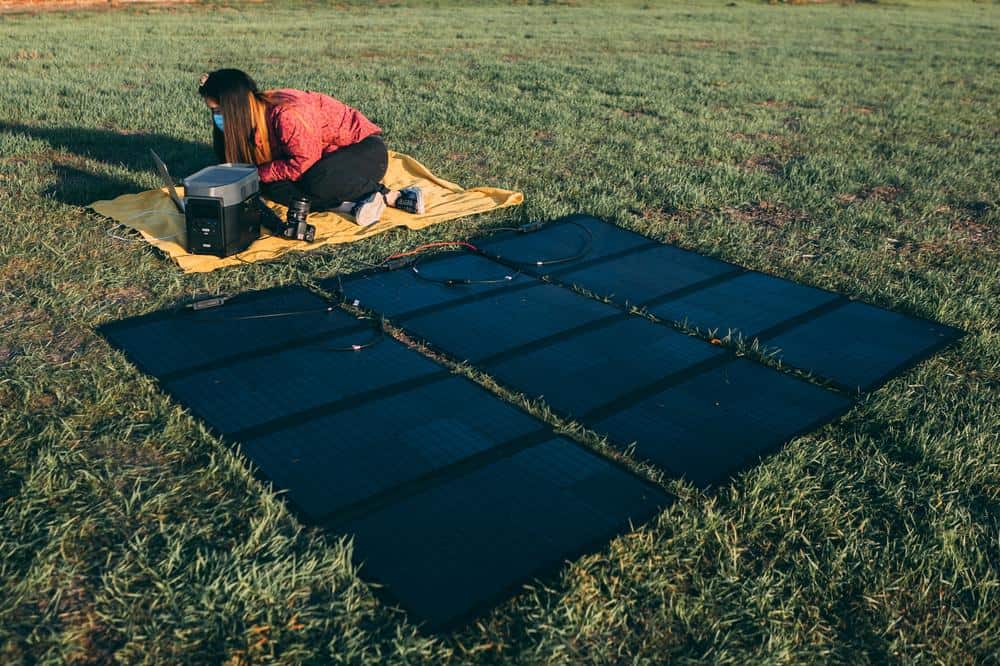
x,y
298,210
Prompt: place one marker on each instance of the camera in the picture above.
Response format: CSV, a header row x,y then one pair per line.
x,y
295,222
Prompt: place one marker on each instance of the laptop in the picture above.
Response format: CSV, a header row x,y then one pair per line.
x,y
168,182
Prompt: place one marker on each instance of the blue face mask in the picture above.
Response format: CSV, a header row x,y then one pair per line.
x,y
217,119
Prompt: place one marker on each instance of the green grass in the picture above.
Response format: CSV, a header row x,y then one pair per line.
x,y
850,147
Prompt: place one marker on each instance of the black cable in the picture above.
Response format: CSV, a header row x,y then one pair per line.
x,y
451,282
517,265
268,315
211,302
376,338
218,301
534,226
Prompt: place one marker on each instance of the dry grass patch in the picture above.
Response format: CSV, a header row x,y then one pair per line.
x,y
762,164
879,193
766,214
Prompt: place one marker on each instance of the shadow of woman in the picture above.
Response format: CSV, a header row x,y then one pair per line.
x,y
72,146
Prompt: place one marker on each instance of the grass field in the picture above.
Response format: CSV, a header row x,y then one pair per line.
x,y
850,147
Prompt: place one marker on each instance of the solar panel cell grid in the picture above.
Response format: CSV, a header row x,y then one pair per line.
x,y
469,540
333,461
174,340
719,422
452,493
850,346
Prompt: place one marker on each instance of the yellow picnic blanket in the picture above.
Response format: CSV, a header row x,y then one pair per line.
x,y
154,215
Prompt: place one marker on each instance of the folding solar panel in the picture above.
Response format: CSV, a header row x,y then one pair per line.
x,y
384,436
745,304
859,345
589,361
812,329
457,547
713,423
175,340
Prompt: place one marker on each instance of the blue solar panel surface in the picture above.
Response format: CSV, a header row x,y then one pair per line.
x,y
175,340
468,541
818,331
860,345
335,460
456,498
589,361
745,305
716,423
387,437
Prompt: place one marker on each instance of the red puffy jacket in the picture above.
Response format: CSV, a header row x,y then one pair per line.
x,y
305,128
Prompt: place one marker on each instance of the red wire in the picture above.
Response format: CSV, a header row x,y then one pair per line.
x,y
421,248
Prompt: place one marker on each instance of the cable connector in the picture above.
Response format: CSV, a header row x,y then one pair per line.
x,y
400,262
208,303
531,226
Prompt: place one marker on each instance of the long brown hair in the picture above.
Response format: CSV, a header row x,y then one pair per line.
x,y
244,113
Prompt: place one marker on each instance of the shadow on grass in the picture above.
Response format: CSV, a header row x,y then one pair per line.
x,y
71,145
78,187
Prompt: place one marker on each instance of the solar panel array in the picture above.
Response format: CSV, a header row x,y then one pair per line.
x,y
455,497
854,345
696,410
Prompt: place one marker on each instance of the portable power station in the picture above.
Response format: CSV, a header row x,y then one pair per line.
x,y
221,209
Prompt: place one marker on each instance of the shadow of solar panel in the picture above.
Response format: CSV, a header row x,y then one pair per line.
x,y
589,360
454,549
717,422
171,341
357,437
818,331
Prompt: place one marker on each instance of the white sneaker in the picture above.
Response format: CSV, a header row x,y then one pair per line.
x,y
369,210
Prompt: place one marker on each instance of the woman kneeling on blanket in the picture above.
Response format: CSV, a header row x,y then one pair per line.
x,y
305,144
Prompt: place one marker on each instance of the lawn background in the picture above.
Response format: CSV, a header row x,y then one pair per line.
x,y
853,147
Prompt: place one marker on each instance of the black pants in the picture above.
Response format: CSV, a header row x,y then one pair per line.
x,y
347,174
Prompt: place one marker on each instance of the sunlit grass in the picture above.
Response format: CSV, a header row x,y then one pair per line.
x,y
849,147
